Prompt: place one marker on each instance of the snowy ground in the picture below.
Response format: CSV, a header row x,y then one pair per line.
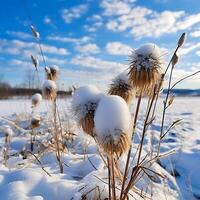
x,y
24,179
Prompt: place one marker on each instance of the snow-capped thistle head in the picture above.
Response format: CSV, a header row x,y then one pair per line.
x,y
52,72
35,121
36,99
113,124
181,40
8,131
35,62
146,68
120,86
49,90
174,59
34,32
84,104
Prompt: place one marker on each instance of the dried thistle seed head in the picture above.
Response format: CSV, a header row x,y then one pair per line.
x,y
121,87
35,61
36,99
113,124
174,59
49,90
35,121
145,69
181,40
52,72
84,103
35,33
8,131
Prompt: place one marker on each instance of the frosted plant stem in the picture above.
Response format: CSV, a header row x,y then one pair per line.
x,y
56,137
130,149
164,109
145,127
113,173
32,134
135,170
109,181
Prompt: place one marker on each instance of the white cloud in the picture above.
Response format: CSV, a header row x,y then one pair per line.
x,y
195,33
69,39
95,21
141,22
188,21
90,48
47,20
20,63
192,82
161,24
75,12
18,34
115,7
98,64
198,53
52,60
189,48
18,47
117,48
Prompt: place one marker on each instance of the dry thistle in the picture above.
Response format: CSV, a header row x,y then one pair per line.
x,y
181,40
146,68
52,72
174,59
121,87
49,90
35,62
35,121
84,104
36,99
35,33
113,125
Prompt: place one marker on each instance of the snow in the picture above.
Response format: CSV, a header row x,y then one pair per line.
x,y
54,67
84,99
147,56
122,78
49,84
24,179
111,117
36,98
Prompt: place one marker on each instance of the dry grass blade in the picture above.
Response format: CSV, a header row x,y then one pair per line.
x,y
171,126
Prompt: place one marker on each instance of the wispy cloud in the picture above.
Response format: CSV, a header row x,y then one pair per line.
x,y
18,47
69,39
68,15
189,48
95,22
89,48
18,34
117,48
144,22
47,20
195,34
97,63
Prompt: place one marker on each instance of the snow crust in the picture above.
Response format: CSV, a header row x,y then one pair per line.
x,y
24,179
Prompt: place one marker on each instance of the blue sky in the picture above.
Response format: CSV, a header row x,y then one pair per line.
x,y
91,40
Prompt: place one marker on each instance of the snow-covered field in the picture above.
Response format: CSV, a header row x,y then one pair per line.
x,y
84,170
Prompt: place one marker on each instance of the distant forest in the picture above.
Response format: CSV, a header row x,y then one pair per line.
x,y
6,91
